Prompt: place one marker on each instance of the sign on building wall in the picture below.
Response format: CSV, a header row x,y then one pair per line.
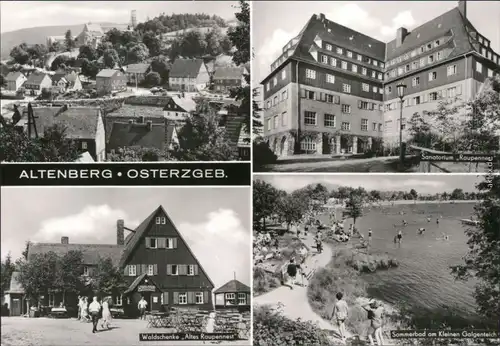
x,y
146,288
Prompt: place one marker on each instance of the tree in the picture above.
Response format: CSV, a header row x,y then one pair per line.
x,y
70,268
38,275
15,146
213,40
291,209
257,124
136,154
108,279
3,82
375,195
20,54
137,53
161,65
262,155
457,194
482,261
87,52
69,41
61,62
240,35
153,78
55,47
152,42
354,207
265,198
320,193
110,58
89,68
413,194
202,139
8,268
37,53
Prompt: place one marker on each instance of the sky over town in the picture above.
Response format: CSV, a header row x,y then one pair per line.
x,y
27,14
215,222
423,184
274,23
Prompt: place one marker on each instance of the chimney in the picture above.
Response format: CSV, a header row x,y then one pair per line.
x,y
400,36
149,125
120,240
65,240
462,7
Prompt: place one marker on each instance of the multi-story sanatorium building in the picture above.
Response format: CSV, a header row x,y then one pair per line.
x,y
333,89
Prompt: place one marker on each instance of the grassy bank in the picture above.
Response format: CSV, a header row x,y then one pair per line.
x,y
263,281
369,263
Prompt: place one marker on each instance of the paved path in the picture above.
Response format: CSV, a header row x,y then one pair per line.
x,y
295,303
375,164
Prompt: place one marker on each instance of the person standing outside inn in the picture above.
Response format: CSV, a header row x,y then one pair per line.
x,y
339,314
142,307
95,309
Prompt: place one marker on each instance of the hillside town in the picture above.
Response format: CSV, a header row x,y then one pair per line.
x,y
171,88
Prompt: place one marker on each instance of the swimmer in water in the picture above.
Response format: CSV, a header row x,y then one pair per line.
x,y
405,223
421,230
398,237
437,221
428,219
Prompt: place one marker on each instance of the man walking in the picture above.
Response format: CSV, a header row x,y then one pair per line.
x,y
292,271
142,307
94,310
340,314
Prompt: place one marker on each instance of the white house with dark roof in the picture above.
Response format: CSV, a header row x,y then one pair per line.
x,y
179,108
36,82
109,81
15,80
66,81
188,75
83,125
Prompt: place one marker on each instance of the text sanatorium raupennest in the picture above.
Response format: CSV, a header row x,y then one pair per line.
x,y
150,173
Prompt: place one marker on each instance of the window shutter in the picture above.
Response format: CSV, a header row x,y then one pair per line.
x,y
459,90
165,298
205,297
303,93
169,269
148,242
315,96
155,269
426,98
321,96
337,100
183,269
125,271
161,243
372,106
443,93
195,269
359,104
144,268
190,296
176,297
324,97
174,242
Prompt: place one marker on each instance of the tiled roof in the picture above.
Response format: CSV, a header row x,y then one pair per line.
x,y
186,103
91,252
131,111
93,28
129,135
58,76
79,122
233,127
85,157
137,68
15,285
158,101
170,134
135,283
228,73
13,76
107,73
36,78
232,287
439,26
185,68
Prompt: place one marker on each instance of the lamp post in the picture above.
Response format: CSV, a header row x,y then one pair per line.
x,y
401,88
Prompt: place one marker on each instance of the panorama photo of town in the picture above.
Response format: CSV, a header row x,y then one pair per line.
x,y
125,81
376,86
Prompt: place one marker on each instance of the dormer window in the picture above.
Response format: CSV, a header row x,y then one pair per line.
x,y
437,43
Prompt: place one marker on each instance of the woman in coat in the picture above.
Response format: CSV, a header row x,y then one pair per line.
x,y
106,313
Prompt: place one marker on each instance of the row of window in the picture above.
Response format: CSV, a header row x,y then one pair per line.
x,y
328,60
415,65
274,122
330,120
161,243
277,99
321,96
152,269
422,49
275,80
182,80
427,97
349,54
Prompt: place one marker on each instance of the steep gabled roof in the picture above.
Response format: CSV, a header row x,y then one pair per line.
x,y
13,76
93,28
185,68
137,282
91,252
228,73
36,78
107,73
139,234
135,134
232,287
78,122
447,23
137,68
186,103
171,131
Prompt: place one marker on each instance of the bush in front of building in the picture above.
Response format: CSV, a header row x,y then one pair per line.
x,y
262,155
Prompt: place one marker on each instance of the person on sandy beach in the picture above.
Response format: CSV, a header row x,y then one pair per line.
x,y
375,315
339,315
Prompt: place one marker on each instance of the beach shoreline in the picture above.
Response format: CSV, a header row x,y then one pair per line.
x,y
406,202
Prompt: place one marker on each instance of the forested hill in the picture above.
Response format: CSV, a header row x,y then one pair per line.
x,y
167,23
